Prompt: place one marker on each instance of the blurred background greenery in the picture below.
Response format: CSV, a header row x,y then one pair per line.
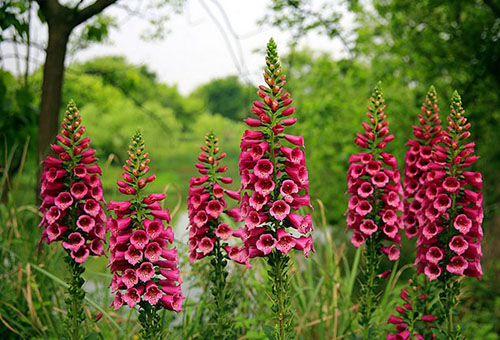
x,y
408,45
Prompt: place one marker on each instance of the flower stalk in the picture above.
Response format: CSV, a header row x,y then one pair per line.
x,y
71,193
274,186
374,206
209,234
145,269
449,239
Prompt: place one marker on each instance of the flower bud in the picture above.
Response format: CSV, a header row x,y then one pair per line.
x,y
289,121
57,148
222,169
278,128
253,122
77,150
288,111
264,118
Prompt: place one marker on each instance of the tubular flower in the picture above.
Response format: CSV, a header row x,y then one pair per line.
x,y
274,177
71,193
206,203
417,160
145,270
414,319
374,187
450,240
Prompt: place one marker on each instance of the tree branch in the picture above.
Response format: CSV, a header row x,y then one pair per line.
x,y
86,13
79,3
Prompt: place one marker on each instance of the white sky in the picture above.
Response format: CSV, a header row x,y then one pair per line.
x,y
194,51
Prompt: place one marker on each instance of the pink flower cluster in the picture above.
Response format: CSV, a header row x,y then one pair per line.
x,y
71,191
411,312
144,269
206,202
274,177
452,213
417,160
374,188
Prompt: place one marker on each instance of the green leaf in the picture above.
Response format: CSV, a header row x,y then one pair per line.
x,y
92,336
269,331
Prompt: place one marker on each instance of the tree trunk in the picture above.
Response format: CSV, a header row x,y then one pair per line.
x,y
53,73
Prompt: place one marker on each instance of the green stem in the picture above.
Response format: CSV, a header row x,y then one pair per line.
x,y
75,298
450,324
368,291
221,314
280,294
451,287
150,322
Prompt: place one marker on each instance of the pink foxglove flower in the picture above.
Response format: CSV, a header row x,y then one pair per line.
x,y
274,176
418,157
144,265
71,193
374,187
274,188
449,241
374,207
209,235
206,203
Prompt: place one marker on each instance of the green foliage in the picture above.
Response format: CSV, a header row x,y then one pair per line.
x,y
95,30
18,120
227,97
301,17
13,17
330,109
480,304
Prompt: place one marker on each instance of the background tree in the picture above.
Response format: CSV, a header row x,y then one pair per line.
x,y
227,97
